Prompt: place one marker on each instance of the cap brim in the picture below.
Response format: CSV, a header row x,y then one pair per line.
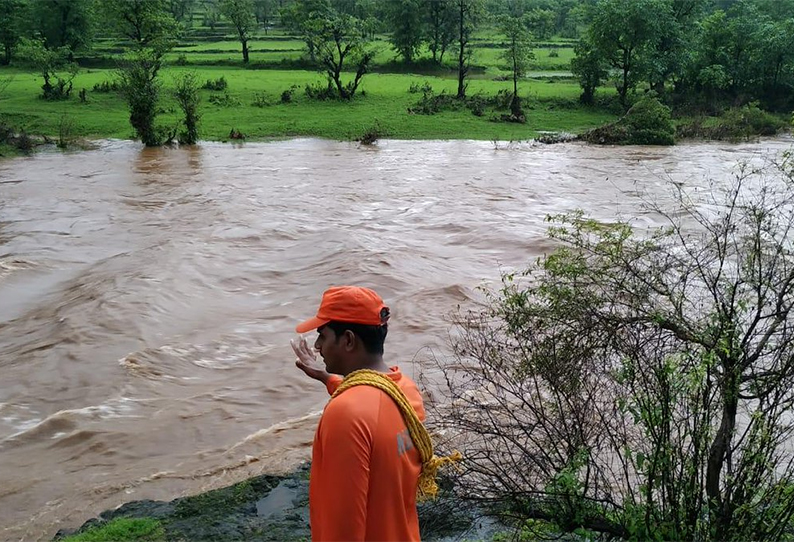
x,y
310,324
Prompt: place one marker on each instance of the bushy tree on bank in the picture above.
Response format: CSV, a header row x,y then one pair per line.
x,y
149,25
54,66
186,92
640,384
518,55
339,42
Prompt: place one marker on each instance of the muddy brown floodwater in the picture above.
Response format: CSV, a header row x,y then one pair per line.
x,y
147,296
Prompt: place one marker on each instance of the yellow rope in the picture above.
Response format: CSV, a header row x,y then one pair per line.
x,y
428,488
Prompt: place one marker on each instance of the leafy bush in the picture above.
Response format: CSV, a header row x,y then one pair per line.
x,y
181,60
260,99
317,91
113,85
735,124
142,91
747,121
415,88
224,100
65,132
288,95
216,84
639,384
186,92
54,66
648,122
23,142
554,53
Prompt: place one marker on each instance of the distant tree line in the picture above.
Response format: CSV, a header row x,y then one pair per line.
x,y
695,51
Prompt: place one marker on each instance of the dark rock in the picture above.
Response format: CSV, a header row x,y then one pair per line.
x,y
276,508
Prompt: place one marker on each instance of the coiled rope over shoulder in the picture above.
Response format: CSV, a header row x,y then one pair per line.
x,y
427,488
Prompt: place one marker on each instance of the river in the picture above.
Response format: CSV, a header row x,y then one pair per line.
x,y
147,296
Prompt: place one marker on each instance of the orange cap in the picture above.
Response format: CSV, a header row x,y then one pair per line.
x,y
351,304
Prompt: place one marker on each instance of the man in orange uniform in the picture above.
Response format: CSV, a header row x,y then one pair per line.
x,y
365,468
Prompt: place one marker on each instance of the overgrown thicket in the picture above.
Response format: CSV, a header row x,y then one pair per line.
x,y
639,384
703,54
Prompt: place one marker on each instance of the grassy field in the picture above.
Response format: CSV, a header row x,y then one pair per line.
x,y
384,102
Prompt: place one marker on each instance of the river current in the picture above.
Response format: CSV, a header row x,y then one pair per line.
x,y
148,296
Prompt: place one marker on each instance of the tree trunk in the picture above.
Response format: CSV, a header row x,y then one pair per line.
x,y
7,58
719,451
461,55
245,50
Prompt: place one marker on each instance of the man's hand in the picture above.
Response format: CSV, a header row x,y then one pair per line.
x,y
307,361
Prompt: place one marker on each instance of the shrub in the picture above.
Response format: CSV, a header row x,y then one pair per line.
x,y
371,135
430,103
23,142
288,95
113,85
317,91
415,88
648,122
554,53
181,60
223,100
216,84
186,92
747,121
735,124
260,100
142,92
65,131
54,66
638,384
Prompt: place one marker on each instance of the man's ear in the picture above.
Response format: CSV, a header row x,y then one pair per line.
x,y
350,340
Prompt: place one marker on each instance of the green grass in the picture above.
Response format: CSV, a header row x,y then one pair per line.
x,y
122,530
386,104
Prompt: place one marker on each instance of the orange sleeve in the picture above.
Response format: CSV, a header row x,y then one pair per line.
x,y
333,383
347,445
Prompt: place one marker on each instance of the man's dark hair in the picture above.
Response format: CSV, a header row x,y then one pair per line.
x,y
373,337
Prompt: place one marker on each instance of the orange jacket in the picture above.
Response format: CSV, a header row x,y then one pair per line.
x,y
365,468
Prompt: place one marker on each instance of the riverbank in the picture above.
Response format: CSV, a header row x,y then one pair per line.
x,y
262,508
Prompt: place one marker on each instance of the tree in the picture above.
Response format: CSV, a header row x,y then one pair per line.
x,y
439,26
10,26
541,22
54,66
146,23
296,18
186,92
63,23
338,41
625,32
518,55
151,28
640,384
264,11
467,15
181,10
241,15
589,67
404,17
142,91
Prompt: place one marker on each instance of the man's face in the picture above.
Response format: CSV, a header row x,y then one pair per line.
x,y
328,348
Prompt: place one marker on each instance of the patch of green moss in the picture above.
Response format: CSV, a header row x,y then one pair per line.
x,y
122,530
